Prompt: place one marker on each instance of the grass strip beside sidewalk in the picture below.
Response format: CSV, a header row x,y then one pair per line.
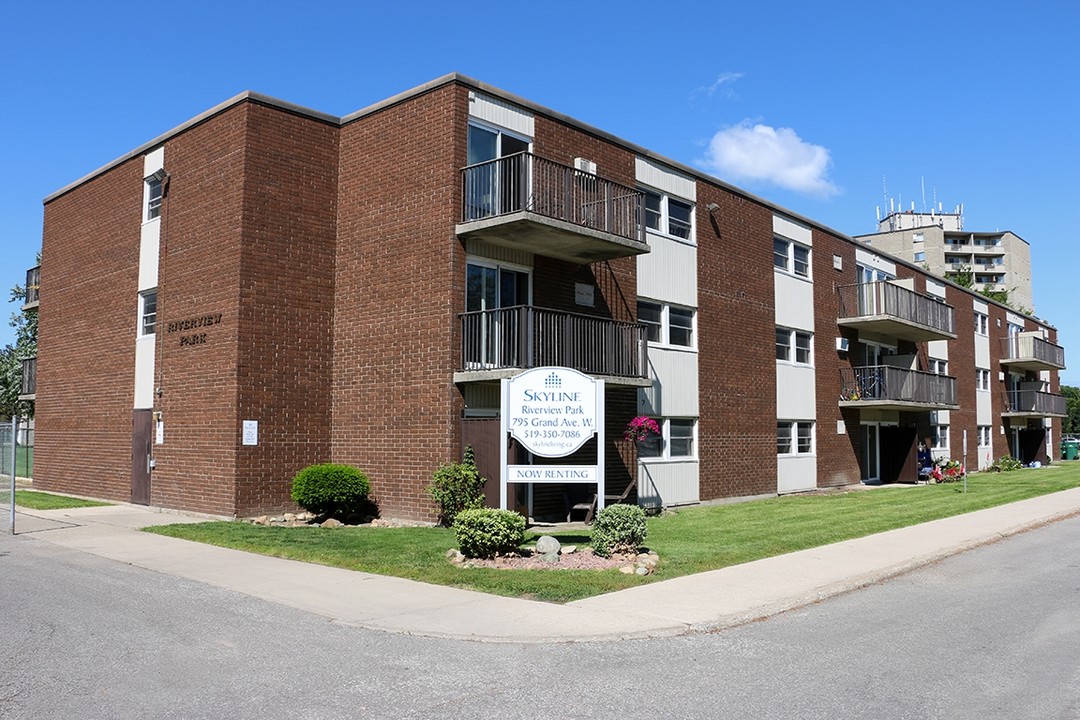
x,y
32,500
689,541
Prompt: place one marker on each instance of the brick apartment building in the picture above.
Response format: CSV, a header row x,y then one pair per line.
x,y
266,286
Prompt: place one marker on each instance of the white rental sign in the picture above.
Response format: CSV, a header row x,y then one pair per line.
x,y
552,412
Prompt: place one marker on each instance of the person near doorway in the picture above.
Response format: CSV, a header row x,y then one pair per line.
x,y
926,461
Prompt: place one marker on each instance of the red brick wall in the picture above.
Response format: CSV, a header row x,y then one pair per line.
x,y
736,359
86,336
398,290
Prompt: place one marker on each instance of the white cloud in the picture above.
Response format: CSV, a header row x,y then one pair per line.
x,y
722,84
775,155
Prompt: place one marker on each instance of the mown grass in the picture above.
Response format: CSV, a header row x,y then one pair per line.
x,y
46,501
689,541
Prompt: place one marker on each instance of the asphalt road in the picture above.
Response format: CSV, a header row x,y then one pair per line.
x,y
992,633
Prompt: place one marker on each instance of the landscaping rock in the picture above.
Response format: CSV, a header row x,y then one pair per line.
x,y
551,557
568,549
627,569
455,555
331,523
547,544
641,570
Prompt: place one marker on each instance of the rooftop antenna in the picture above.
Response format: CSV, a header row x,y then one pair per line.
x,y
922,183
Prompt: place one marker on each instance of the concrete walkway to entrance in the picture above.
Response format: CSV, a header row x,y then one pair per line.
x,y
695,603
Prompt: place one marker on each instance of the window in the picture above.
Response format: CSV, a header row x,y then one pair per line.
x,y
147,312
939,367
982,379
940,436
984,436
791,257
154,193
669,216
676,440
920,257
916,237
794,437
982,322
667,324
794,346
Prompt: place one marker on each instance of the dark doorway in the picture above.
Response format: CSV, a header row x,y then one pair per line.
x,y
1032,445
483,435
899,454
141,437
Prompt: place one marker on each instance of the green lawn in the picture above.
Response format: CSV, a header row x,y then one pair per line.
x,y
689,541
46,501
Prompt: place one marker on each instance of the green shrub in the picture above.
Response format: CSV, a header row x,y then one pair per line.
x,y
456,487
618,529
485,532
330,489
1006,463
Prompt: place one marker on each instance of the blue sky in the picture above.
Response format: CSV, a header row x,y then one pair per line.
x,y
810,105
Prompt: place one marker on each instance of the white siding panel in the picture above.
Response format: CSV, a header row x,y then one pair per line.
x,y
869,259
153,161
501,113
796,473
149,244
982,352
935,288
144,372
513,256
669,272
674,392
983,414
980,306
938,349
668,483
792,230
794,300
665,179
796,397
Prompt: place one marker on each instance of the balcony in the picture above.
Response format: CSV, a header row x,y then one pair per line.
x,y
33,282
884,387
526,202
1027,352
28,388
497,343
1033,404
890,309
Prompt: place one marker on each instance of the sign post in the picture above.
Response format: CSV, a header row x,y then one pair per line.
x,y
552,412
14,435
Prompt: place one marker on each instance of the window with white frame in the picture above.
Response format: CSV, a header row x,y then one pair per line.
x,y
982,379
982,323
791,257
794,437
147,312
920,257
984,436
794,346
939,435
668,215
154,192
677,440
938,366
667,324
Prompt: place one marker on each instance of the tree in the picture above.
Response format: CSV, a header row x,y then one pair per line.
x,y
1071,423
11,357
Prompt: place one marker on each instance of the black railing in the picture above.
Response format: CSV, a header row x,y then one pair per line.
x,y
33,283
1034,402
887,298
1029,347
527,182
29,377
885,382
527,337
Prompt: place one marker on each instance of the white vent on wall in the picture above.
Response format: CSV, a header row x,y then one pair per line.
x,y
842,344
585,165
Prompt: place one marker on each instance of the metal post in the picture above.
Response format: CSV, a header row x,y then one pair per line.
x,y
14,432
965,462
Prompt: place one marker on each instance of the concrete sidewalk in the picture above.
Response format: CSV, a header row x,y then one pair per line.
x,y
707,601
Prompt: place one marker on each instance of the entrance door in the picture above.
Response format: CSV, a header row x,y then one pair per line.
x,y
142,432
1032,442
899,454
869,460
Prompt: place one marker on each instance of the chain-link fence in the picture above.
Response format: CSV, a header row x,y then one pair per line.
x,y
24,452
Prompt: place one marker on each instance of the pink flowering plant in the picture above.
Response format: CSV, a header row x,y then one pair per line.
x,y
946,470
640,428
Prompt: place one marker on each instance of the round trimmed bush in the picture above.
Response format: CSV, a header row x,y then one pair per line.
x,y
486,532
619,529
331,489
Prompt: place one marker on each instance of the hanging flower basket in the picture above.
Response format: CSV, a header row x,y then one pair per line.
x,y
640,428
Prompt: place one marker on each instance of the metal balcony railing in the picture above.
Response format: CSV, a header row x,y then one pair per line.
x,y
887,298
884,382
527,182
527,337
29,377
33,283
1034,402
1029,347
